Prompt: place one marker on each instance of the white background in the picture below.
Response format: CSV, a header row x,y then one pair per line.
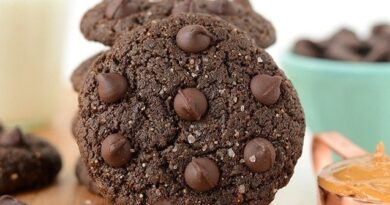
x,y
292,19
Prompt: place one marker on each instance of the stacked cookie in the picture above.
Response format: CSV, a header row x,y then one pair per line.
x,y
26,162
185,107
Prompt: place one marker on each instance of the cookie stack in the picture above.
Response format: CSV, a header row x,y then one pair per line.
x,y
185,107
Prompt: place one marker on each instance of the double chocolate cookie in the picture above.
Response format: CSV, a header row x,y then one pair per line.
x,y
111,18
83,177
79,74
26,162
188,110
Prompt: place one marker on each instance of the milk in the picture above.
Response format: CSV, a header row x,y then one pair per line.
x,y
31,44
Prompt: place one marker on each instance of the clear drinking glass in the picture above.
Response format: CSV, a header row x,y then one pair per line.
x,y
31,45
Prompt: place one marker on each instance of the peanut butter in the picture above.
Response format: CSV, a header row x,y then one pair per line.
x,y
366,178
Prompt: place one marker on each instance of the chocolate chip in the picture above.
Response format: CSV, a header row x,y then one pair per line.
x,y
120,8
307,48
202,174
12,138
340,52
379,53
266,88
222,7
112,87
193,38
190,104
116,150
9,200
163,202
346,38
187,6
259,155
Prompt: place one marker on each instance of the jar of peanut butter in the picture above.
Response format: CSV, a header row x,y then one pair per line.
x,y
359,179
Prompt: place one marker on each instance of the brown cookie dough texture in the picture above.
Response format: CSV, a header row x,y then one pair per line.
x,y
78,76
109,19
206,117
83,177
26,162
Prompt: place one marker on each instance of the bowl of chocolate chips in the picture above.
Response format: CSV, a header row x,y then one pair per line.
x,y
344,83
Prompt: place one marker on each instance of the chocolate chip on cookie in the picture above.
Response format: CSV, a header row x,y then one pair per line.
x,y
259,155
112,87
200,126
12,138
266,88
116,150
190,104
193,38
202,174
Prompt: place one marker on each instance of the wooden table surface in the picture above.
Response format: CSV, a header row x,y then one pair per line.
x,y
65,190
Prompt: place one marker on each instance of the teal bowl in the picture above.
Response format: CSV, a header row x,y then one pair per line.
x,y
351,98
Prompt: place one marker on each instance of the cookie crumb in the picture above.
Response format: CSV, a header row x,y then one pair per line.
x,y
236,133
204,148
198,133
231,153
191,139
241,189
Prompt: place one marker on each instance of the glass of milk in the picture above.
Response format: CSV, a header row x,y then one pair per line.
x,y
31,45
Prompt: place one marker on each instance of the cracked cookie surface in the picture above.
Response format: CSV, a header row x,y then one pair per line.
x,y
169,150
97,26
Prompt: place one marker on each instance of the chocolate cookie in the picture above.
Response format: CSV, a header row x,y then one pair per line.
x,y
189,111
83,177
26,162
81,71
109,19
